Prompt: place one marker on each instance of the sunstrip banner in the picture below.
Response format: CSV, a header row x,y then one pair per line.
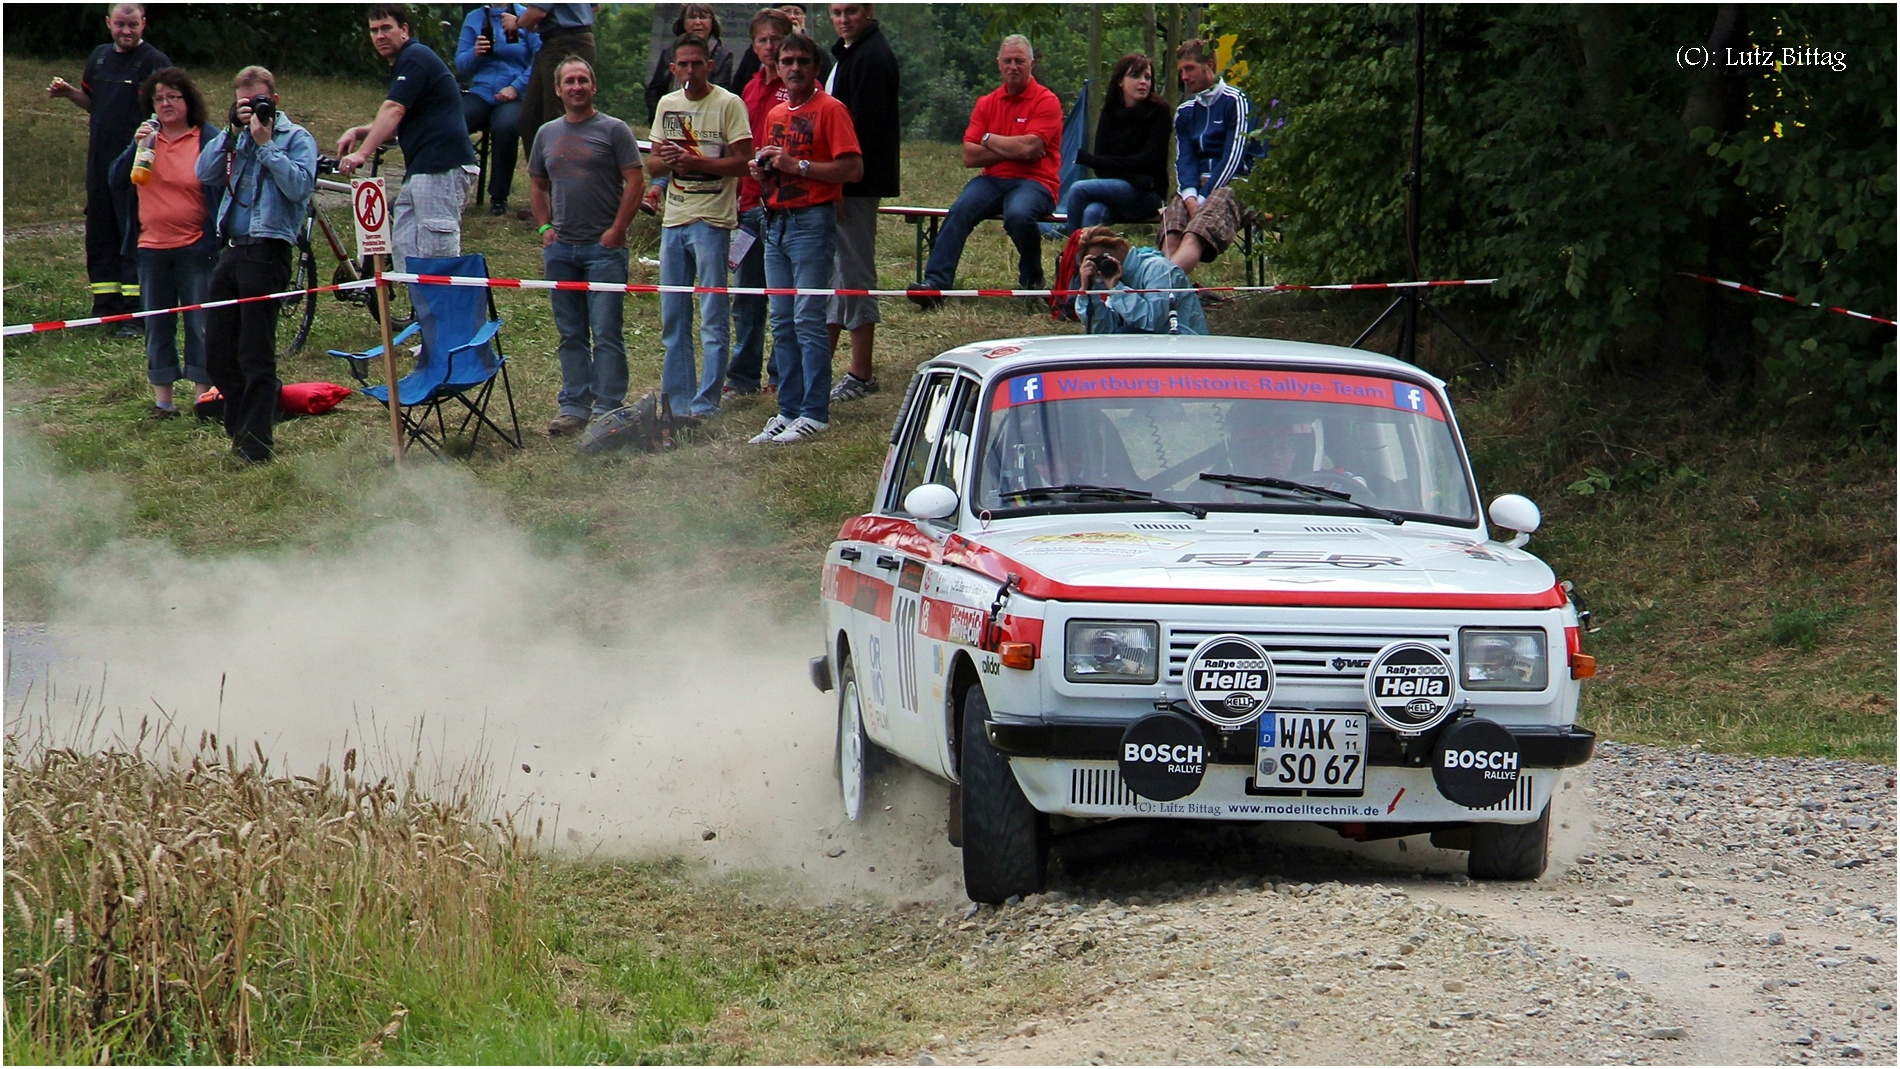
x,y
1216,383
736,291
1743,287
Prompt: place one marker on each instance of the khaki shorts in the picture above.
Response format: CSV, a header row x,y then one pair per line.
x,y
427,217
1216,223
855,267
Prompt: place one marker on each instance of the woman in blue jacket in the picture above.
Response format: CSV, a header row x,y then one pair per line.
x,y
499,58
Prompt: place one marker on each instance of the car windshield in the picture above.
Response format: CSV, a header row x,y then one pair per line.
x,y
1221,437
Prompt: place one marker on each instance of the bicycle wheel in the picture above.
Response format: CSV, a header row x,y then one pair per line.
x,y
303,276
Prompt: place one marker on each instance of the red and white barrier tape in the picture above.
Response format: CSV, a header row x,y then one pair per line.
x,y
737,291
1784,297
124,317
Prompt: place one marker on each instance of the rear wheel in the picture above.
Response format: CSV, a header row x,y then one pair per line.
x,y
1005,839
1510,851
301,310
852,759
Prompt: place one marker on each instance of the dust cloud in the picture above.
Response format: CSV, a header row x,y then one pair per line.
x,y
629,720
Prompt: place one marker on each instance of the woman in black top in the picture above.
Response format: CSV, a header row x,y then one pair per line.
x,y
1131,152
700,21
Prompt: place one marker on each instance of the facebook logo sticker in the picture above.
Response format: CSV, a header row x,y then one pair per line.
x,y
1026,390
1409,397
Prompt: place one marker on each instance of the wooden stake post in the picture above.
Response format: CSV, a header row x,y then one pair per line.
x,y
389,356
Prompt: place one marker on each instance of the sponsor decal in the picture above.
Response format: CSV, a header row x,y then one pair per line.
x,y
912,577
1164,756
1476,763
1102,538
1410,686
1291,558
1002,351
1228,680
1346,664
1176,381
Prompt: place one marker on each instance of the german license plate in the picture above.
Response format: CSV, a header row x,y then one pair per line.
x,y
1312,751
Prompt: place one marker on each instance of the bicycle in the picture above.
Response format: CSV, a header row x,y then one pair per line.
x,y
304,272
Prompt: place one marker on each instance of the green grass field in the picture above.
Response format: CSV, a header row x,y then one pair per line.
x,y
1743,579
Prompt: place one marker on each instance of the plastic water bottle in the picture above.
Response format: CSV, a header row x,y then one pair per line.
x,y
142,165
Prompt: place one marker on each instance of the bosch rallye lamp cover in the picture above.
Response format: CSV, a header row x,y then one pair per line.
x,y
1197,578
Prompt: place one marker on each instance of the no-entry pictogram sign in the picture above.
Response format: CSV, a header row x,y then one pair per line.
x,y
369,204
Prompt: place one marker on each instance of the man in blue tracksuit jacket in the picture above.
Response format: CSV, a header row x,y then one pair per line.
x,y
1210,150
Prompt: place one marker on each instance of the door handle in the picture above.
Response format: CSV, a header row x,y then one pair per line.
x,y
850,553
885,561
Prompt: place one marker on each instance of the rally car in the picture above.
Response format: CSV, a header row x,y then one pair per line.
x,y
1198,578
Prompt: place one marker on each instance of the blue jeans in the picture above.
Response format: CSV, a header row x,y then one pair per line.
x,y
1095,201
167,279
694,254
593,374
748,313
1023,202
798,249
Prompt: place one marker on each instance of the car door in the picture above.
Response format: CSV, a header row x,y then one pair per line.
x,y
934,439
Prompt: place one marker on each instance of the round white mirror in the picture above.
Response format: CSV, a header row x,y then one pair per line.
x,y
933,501
1517,513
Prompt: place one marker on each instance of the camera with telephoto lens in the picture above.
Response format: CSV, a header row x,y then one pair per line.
x,y
1105,265
261,106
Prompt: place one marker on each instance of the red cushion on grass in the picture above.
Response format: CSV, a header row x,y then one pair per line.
x,y
311,398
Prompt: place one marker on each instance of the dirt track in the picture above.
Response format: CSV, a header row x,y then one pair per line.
x,y
1699,909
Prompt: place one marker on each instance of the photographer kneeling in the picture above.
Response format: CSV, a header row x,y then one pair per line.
x,y
1114,274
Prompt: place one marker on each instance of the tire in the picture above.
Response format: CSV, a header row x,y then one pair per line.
x,y
1005,839
301,309
1510,851
851,760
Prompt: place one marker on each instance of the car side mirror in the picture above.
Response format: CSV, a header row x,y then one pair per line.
x,y
931,501
1517,513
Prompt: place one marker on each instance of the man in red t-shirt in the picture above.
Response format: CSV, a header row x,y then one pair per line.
x,y
1015,136
810,150
761,93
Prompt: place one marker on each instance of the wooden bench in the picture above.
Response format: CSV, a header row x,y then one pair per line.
x,y
928,221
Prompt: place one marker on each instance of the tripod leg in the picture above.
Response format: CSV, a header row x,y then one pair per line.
x,y
1367,333
1469,344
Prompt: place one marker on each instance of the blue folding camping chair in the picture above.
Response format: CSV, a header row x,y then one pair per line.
x,y
460,359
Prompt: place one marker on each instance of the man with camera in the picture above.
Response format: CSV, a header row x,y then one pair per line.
x,y
1116,278
424,114
268,169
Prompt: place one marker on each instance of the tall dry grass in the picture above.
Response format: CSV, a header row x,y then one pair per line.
x,y
171,902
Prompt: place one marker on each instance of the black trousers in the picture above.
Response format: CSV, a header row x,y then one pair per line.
x,y
241,342
114,277
541,104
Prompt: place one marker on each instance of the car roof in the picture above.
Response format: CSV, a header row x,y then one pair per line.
x,y
1001,356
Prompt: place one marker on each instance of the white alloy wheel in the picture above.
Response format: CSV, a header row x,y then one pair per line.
x,y
851,747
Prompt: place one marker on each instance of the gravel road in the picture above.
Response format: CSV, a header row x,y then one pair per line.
x,y
1700,909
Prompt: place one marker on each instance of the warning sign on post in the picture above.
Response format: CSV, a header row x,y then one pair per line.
x,y
369,204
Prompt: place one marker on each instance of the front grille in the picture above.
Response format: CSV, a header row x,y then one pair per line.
x,y
1099,786
1338,657
1518,802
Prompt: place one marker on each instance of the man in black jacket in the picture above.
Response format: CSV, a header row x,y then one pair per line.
x,y
865,80
109,92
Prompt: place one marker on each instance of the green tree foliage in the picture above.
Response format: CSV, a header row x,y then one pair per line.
x,y
622,45
1558,157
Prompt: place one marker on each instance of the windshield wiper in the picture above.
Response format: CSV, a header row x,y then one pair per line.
x,y
1261,484
1084,491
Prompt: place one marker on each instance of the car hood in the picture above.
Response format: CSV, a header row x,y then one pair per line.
x,y
1321,560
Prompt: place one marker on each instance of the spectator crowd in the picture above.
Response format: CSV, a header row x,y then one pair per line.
x,y
767,167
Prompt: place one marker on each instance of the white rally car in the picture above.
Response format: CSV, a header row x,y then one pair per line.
x,y
1199,578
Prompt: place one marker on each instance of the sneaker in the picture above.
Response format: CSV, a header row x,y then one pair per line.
x,y
131,328
852,388
773,427
500,207
161,412
566,424
650,204
928,303
798,430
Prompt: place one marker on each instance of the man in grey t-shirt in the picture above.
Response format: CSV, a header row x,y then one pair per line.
x,y
585,184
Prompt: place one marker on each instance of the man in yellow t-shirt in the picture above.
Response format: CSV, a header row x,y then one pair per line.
x,y
701,137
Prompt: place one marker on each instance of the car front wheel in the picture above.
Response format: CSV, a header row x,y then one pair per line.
x,y
1005,839
853,754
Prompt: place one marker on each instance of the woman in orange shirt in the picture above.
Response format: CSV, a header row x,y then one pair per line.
x,y
172,229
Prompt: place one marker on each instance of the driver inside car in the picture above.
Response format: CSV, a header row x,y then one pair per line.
x,y
1284,450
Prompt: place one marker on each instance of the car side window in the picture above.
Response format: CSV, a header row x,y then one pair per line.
x,y
928,410
950,463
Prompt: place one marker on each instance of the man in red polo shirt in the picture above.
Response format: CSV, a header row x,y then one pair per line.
x,y
1015,136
